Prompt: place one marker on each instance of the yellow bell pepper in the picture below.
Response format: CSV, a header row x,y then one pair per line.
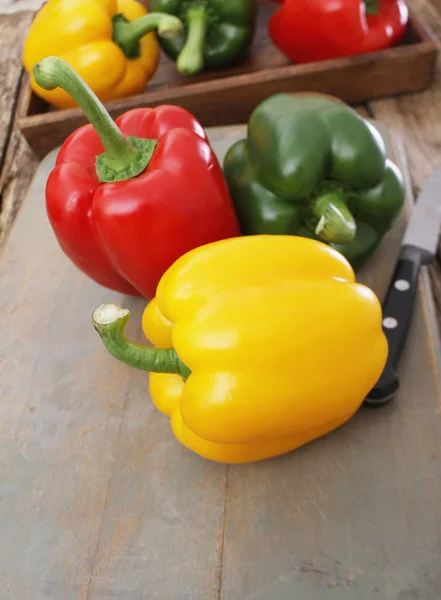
x,y
263,343
109,43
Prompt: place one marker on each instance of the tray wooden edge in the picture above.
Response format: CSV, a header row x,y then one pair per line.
x,y
43,131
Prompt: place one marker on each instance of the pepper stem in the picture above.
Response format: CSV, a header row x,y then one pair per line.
x,y
123,158
191,58
371,6
127,34
335,221
109,320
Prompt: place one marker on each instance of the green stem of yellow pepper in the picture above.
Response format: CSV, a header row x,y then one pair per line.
x,y
126,34
335,221
123,158
109,320
191,58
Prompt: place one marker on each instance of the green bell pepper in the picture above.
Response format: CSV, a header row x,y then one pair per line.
x,y
311,166
216,34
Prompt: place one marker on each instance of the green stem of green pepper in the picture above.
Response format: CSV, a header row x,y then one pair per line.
x,y
109,320
335,221
127,34
191,58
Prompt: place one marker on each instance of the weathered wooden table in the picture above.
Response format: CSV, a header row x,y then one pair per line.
x,y
98,502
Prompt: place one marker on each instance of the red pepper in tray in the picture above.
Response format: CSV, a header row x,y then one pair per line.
x,y
127,199
313,30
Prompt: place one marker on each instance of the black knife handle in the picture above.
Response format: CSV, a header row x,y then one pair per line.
x,y
397,311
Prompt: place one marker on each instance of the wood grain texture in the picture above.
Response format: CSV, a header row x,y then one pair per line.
x,y
15,6
99,502
17,163
228,96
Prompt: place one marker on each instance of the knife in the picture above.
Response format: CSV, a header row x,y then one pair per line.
x,y
418,248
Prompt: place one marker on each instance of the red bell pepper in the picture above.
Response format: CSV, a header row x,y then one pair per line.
x,y
125,208
312,30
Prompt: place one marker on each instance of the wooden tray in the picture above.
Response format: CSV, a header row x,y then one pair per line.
x,y
228,96
98,501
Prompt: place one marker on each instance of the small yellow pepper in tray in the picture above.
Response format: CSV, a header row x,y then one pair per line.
x,y
110,44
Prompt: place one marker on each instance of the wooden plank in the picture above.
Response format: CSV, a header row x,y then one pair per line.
x,y
17,163
97,500
352,515
15,6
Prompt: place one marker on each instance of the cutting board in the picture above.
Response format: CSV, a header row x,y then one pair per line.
x,y
99,502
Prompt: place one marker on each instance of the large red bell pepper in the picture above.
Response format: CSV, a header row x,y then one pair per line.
x,y
127,199
312,30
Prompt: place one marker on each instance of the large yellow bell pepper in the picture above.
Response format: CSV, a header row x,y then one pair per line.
x,y
263,343
109,43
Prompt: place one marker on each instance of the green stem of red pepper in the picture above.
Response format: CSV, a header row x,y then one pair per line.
x,y
335,222
109,320
123,158
371,6
191,58
127,34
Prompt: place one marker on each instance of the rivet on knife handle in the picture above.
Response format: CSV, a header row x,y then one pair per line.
x,y
397,311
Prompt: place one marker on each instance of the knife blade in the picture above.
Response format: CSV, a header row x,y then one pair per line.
x,y
418,248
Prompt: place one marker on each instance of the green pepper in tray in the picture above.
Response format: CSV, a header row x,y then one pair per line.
x,y
311,166
216,34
